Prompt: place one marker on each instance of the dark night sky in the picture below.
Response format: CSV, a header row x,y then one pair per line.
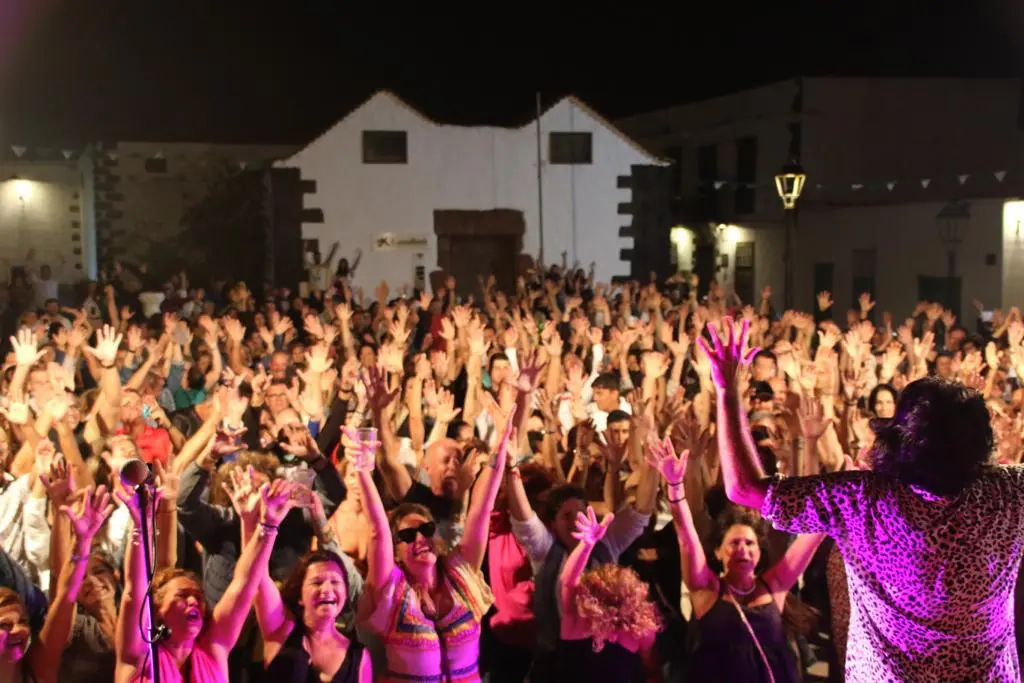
x,y
79,70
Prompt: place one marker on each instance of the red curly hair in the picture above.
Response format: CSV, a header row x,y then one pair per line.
x,y
613,600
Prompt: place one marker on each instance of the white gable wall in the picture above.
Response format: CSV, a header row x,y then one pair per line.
x,y
462,168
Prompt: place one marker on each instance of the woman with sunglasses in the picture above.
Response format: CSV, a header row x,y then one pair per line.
x,y
425,605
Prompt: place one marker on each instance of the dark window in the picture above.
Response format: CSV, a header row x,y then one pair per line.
x,y
570,148
864,264
675,155
745,198
156,165
707,174
744,278
944,290
385,147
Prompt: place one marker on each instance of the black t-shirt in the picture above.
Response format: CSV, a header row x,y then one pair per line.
x,y
441,508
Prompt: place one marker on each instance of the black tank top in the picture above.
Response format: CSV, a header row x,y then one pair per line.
x,y
724,650
292,664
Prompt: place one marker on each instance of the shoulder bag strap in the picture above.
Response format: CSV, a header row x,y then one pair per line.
x,y
757,643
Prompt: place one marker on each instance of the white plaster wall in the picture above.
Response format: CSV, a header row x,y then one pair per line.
x,y
35,214
1012,262
463,168
908,245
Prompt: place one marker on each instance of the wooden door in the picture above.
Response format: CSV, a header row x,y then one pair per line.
x,y
479,243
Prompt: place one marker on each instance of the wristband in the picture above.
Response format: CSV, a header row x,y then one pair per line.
x,y
269,527
677,500
107,366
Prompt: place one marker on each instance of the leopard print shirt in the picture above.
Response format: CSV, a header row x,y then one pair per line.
x,y
931,579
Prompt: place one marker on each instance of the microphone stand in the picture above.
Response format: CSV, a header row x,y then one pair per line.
x,y
156,632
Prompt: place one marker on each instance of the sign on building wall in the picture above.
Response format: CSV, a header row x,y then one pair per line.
x,y
389,241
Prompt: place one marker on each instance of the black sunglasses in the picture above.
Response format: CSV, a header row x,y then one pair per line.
x,y
408,535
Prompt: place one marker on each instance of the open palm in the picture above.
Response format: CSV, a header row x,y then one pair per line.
x,y
727,351
88,514
588,529
661,455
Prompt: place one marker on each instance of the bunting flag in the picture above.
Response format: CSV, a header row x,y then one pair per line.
x,y
158,155
869,185
112,156
242,165
67,153
18,150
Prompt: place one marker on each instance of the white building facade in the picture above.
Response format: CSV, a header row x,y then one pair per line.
x,y
883,158
417,196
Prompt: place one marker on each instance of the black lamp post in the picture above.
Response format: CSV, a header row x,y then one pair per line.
x,y
790,184
952,223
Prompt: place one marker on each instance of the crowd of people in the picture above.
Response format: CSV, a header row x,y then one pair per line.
x,y
546,484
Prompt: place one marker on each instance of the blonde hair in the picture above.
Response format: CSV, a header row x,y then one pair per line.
x,y
613,600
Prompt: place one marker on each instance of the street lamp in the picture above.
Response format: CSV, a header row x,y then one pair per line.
x,y
952,223
790,184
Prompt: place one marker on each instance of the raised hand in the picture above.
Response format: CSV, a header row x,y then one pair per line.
x,y
88,513
277,501
107,343
243,493
25,347
727,352
661,455
58,482
130,499
377,389
167,484
588,530
529,373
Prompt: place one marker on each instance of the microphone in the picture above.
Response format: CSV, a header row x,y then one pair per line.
x,y
135,473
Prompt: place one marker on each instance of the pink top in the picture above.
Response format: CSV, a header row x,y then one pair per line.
x,y
414,643
203,666
512,582
931,579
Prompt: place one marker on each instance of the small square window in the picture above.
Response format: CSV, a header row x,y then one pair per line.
x,y
385,147
156,165
570,148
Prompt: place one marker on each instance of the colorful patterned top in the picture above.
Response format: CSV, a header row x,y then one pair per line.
x,y
418,648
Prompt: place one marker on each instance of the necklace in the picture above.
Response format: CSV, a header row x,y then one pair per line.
x,y
737,591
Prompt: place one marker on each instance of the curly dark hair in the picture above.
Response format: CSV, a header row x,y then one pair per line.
x,y
940,439
730,517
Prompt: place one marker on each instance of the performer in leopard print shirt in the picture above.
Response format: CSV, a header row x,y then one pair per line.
x,y
932,538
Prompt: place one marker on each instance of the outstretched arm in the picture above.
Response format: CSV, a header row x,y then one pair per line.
x,y
745,481
230,613
478,518
661,457
381,553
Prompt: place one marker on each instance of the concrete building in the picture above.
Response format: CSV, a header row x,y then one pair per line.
x,y
90,206
884,158
143,189
417,196
44,206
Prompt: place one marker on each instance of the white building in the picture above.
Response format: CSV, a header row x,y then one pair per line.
x,y
883,158
416,195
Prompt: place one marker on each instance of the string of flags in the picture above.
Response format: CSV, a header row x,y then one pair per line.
x,y
45,153
888,185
